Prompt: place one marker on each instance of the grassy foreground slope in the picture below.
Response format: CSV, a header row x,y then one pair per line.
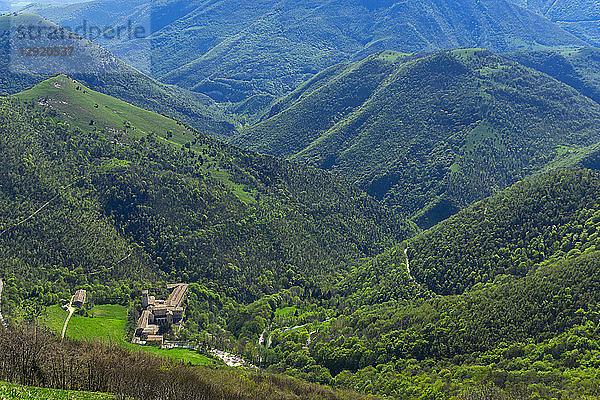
x,y
17,392
430,134
110,369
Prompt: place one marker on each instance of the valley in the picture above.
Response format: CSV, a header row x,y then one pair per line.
x,y
283,200
429,134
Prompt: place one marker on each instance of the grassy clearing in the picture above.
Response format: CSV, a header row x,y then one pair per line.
x,y
390,56
11,391
108,322
479,135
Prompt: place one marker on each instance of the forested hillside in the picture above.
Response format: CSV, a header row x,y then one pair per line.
x,y
249,52
579,69
112,203
101,70
500,300
430,134
359,197
540,219
525,320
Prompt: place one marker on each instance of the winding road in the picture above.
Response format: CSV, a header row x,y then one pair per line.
x,y
261,339
71,310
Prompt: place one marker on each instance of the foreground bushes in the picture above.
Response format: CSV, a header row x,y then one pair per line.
x,y
31,356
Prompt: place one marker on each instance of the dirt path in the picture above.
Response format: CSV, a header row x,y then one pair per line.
x,y
261,339
71,310
305,347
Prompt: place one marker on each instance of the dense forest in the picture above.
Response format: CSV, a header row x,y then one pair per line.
x,y
525,317
430,134
578,17
119,207
114,78
499,300
431,230
578,68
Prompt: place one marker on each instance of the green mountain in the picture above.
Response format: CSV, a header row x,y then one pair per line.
x,y
100,70
430,134
251,52
499,301
503,295
101,195
96,190
535,222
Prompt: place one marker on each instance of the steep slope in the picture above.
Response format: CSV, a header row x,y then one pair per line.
x,y
100,70
521,338
579,17
536,221
247,52
579,69
87,203
430,134
524,268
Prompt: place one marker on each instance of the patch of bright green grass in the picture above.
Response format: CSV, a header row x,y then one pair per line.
x,y
11,391
238,189
455,167
286,312
390,56
480,134
561,150
108,322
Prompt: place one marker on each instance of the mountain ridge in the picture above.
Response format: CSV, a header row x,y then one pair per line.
x,y
159,179
295,41
378,121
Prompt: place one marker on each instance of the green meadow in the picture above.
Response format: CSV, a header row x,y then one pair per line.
x,y
108,322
